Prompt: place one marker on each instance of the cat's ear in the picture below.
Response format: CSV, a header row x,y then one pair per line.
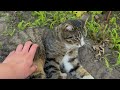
x,y
84,18
69,27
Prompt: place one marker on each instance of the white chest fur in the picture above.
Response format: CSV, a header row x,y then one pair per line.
x,y
82,41
68,66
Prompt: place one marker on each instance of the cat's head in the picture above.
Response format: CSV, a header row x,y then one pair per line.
x,y
73,31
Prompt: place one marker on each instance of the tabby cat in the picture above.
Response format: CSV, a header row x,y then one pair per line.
x,y
65,37
54,46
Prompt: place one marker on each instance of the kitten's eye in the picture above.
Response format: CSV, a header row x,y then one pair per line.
x,y
69,27
70,37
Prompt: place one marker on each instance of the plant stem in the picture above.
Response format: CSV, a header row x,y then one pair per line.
x,y
108,16
107,21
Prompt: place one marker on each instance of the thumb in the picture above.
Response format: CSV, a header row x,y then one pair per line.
x,y
33,69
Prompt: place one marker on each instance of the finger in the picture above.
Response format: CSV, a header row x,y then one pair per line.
x,y
33,69
19,48
32,51
27,46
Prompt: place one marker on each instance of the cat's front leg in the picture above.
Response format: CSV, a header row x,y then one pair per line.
x,y
75,70
82,73
52,69
72,66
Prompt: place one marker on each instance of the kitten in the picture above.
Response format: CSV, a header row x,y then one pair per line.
x,y
53,45
66,36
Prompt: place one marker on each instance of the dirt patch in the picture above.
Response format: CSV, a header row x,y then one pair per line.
x,y
96,68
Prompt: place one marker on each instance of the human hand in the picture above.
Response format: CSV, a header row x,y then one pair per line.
x,y
21,61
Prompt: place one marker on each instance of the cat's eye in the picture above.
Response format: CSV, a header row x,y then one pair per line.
x,y
70,37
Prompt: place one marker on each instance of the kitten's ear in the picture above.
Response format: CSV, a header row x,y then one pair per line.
x,y
69,27
84,18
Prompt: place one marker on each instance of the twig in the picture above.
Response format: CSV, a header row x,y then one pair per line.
x,y
108,16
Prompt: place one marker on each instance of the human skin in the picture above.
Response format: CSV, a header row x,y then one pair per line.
x,y
19,63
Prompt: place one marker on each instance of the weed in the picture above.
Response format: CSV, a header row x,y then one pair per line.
x,y
118,59
95,28
23,25
79,13
49,18
108,65
114,33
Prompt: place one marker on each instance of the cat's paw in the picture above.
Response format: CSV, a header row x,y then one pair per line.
x,y
57,76
82,73
38,76
88,77
63,76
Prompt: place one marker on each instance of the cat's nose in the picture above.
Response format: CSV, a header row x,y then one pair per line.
x,y
79,45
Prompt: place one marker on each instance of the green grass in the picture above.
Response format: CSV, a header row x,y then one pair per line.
x,y
97,31
107,64
105,31
118,60
47,19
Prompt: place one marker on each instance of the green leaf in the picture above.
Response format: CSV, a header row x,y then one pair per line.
x,y
20,25
12,33
113,20
106,62
79,13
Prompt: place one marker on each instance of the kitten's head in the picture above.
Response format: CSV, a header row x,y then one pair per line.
x,y
73,31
